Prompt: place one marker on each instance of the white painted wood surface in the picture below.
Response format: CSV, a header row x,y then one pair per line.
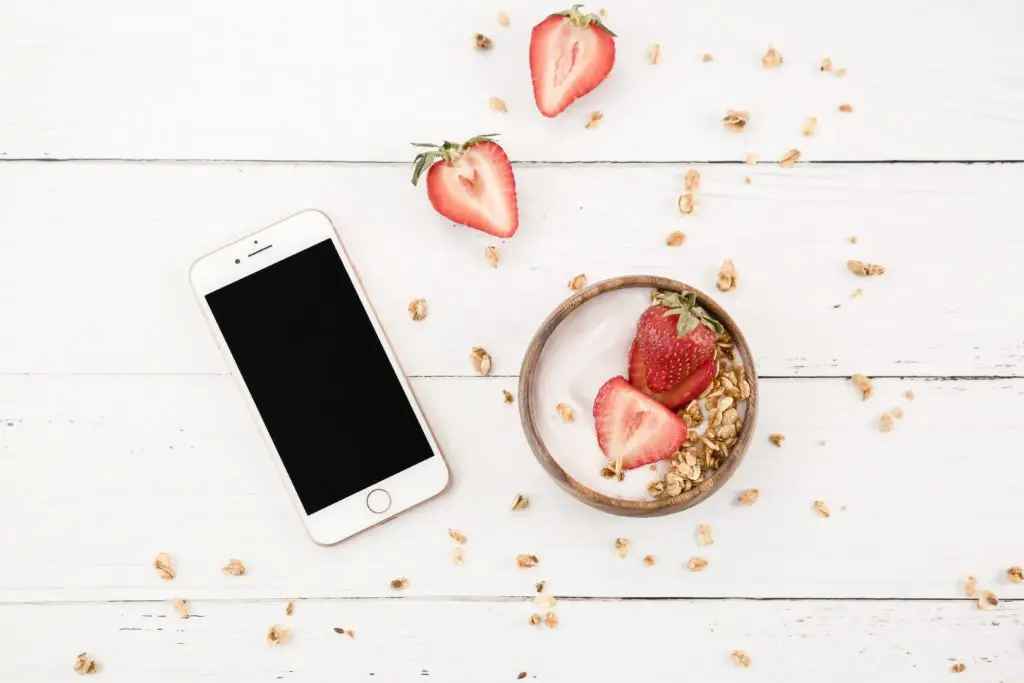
x,y
121,436
322,79
104,249
404,640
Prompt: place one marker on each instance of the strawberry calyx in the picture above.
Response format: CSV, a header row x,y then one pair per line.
x,y
690,314
447,151
581,20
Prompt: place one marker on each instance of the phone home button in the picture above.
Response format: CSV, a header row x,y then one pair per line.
x,y
378,500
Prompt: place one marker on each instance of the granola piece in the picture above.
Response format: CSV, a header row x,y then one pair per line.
x,y
697,564
594,120
691,180
654,54
1015,574
841,72
85,665
503,18
706,57
959,668
790,158
506,397
234,567
526,561
909,394
727,276
692,415
705,534
735,120
493,256
535,620
826,64
566,412
864,384
481,360
746,180
520,502
482,43
772,59
897,412
497,105
162,564
857,293
457,536
648,560
399,584
289,608
418,309
622,547
656,489
551,620
821,508
521,676
846,108
578,282
687,203
278,635
345,632
811,126
864,269
602,12
970,586
987,600
751,159
740,658
886,422
853,239
748,497
544,599
458,556
776,439
180,607
675,239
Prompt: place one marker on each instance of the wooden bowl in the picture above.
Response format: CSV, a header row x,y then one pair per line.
x,y
529,401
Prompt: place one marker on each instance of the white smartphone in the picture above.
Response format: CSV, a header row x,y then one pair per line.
x,y
320,378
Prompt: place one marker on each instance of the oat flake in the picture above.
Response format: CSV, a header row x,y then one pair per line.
x,y
566,412
506,397
535,620
826,64
959,668
85,665
864,269
705,534
458,556
697,564
675,239
648,560
864,384
578,282
457,536
790,158
988,600
482,42
278,635
821,508
777,439
526,561
687,203
493,256
706,57
399,584
909,395
749,497
1015,574
622,547
481,360
180,607
497,105
654,53
886,422
740,658
811,126
772,59
691,180
735,120
594,120
846,108
551,620
970,586
163,567
727,276
520,502
503,18
418,309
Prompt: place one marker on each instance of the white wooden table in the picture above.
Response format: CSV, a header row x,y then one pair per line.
x,y
181,125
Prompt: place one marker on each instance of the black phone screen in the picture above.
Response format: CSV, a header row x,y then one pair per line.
x,y
321,380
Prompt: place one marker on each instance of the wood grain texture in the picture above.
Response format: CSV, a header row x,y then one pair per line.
x,y
319,80
403,640
93,269
100,473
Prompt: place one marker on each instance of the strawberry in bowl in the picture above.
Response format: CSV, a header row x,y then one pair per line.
x,y
633,429
471,184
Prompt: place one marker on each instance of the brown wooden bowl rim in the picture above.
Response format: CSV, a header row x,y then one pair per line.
x,y
584,493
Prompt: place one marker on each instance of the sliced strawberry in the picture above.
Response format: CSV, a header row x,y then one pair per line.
x,y
570,54
675,337
471,184
678,396
634,427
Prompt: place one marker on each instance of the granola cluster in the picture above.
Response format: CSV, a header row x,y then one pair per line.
x,y
718,408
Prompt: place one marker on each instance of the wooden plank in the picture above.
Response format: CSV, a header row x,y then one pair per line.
x,y
309,79
100,473
398,640
93,268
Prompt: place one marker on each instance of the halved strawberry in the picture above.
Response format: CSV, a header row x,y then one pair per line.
x,y
633,427
570,54
678,396
471,184
675,337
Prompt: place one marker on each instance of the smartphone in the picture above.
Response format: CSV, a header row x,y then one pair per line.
x,y
322,382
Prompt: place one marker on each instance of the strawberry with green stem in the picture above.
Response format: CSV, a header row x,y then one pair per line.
x,y
675,339
471,183
571,53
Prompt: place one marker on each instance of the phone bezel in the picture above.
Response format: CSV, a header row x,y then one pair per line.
x,y
253,253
